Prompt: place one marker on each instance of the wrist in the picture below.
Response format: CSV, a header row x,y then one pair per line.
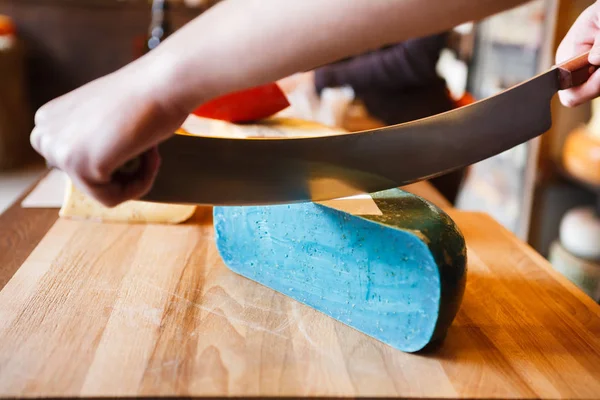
x,y
162,77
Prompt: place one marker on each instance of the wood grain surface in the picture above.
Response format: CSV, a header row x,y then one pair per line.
x,y
111,309
21,229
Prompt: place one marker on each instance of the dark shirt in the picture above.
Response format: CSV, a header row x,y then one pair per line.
x,y
398,83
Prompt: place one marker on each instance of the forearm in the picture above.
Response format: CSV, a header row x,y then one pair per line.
x,y
242,43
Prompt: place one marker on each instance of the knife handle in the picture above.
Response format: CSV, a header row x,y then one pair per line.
x,y
130,171
576,71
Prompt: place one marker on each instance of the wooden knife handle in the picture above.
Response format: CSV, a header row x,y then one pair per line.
x,y
576,71
131,171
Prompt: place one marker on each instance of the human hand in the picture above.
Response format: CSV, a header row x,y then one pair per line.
x,y
583,36
92,131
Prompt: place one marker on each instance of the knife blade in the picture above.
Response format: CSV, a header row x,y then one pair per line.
x,y
269,171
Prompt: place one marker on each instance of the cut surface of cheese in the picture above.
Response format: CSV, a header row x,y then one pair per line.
x,y
276,127
77,205
397,275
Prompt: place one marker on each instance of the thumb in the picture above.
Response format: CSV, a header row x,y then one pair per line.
x,y
594,57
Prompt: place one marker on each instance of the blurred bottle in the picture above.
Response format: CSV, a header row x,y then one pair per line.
x,y
16,120
160,26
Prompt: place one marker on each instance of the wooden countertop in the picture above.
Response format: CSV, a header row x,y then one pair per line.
x,y
76,320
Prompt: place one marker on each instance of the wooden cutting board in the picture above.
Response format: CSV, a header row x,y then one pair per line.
x,y
109,310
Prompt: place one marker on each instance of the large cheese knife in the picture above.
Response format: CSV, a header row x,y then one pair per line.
x,y
231,171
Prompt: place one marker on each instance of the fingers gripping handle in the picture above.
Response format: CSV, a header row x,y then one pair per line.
x,y
576,71
131,171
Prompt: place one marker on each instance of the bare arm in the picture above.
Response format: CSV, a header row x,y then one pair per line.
x,y
242,43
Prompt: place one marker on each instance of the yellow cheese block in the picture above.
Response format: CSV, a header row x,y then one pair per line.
x,y
275,127
77,205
